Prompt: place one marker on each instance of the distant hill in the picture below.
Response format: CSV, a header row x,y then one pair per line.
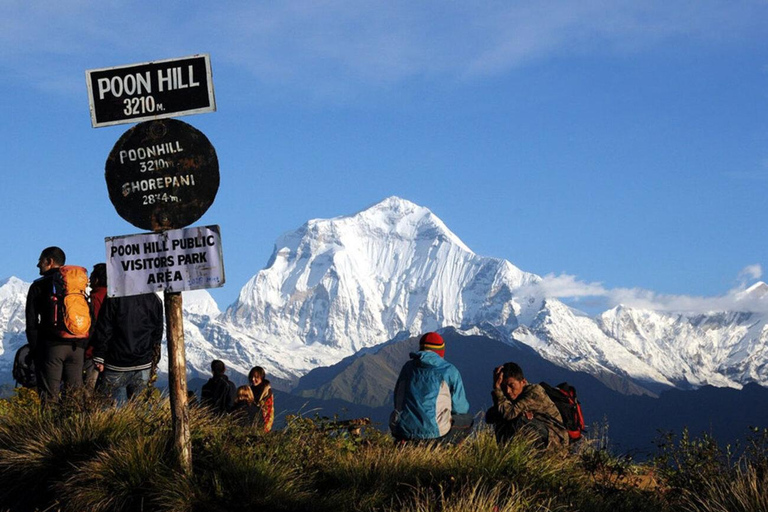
x,y
370,377
634,420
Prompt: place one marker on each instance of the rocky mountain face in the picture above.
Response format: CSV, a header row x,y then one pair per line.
x,y
336,287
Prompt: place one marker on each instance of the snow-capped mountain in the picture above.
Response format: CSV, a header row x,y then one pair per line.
x,y
13,294
720,348
572,340
337,286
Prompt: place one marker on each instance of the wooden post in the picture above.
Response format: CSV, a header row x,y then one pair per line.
x,y
177,379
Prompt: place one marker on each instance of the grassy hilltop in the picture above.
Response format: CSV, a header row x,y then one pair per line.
x,y
83,457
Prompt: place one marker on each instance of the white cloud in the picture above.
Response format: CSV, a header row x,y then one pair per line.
x,y
751,272
566,286
323,44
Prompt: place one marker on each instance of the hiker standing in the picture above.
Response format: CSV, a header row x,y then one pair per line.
x,y
262,394
57,353
520,407
430,403
219,392
98,281
125,343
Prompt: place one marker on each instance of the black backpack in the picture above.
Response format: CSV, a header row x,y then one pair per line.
x,y
564,397
24,368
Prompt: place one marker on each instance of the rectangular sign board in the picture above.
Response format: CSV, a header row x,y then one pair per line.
x,y
151,90
173,261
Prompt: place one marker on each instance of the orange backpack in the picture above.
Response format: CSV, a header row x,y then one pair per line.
x,y
71,312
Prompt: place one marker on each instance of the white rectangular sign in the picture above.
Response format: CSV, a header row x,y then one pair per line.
x,y
173,261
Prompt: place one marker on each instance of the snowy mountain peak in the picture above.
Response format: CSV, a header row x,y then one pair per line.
x,y
13,296
13,282
393,217
396,205
355,281
200,302
12,287
758,290
336,286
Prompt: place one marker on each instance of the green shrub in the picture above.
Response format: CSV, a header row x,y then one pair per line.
x,y
708,479
41,449
125,477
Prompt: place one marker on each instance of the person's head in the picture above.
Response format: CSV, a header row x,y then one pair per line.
x,y
434,342
513,380
244,394
99,275
51,257
257,375
217,367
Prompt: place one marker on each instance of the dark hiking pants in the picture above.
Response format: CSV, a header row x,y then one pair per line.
x,y
535,429
57,364
461,427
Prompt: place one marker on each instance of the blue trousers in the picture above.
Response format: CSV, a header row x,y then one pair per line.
x,y
122,386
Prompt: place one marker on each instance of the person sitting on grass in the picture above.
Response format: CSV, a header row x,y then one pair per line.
x,y
430,402
523,408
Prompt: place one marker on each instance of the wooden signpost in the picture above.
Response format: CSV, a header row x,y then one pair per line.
x,y
161,175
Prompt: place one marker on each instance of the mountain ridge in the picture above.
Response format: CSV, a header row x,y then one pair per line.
x,y
337,286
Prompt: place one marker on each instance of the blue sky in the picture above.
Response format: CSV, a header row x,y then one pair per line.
x,y
619,147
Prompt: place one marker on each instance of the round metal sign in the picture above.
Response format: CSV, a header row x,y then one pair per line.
x,y
162,175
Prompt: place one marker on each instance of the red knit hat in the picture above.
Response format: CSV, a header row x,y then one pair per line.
x,y
434,342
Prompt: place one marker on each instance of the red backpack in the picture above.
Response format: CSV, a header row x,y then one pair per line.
x,y
564,397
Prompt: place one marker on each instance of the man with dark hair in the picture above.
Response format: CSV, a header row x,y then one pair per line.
x,y
218,393
98,282
430,403
124,343
520,407
57,358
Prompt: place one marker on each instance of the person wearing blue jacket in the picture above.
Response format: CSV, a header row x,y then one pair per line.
x,y
430,402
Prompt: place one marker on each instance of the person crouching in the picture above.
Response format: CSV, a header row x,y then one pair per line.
x,y
523,408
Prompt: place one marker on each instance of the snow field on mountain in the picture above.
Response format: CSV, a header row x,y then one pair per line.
x,y
336,286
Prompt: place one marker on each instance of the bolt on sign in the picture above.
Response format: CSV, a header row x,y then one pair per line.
x,y
151,90
172,261
162,174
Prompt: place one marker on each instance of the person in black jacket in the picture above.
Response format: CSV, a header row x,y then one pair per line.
x,y
124,343
219,392
56,358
